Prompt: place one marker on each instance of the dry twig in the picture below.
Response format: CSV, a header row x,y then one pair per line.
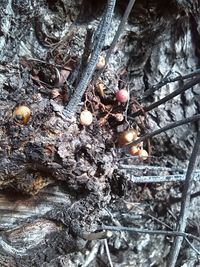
x,y
89,70
164,224
117,35
92,255
185,202
97,235
108,253
167,98
166,128
159,178
147,231
169,79
173,169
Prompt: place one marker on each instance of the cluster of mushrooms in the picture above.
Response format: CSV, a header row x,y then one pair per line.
x,y
22,115
127,136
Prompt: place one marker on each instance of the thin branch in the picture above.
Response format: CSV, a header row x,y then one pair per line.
x,y
86,53
92,255
148,215
184,213
147,231
166,128
168,79
120,28
167,98
117,35
108,253
191,245
97,235
163,223
159,178
89,70
154,168
145,167
174,200
48,63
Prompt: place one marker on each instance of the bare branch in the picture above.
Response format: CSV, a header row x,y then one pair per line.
x,y
167,80
117,35
108,253
164,224
97,235
92,255
147,231
191,245
166,128
166,98
159,179
99,43
154,168
185,202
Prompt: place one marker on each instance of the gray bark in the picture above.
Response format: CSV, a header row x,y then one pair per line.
x,y
55,176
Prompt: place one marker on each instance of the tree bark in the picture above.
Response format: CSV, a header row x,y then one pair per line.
x,y
56,175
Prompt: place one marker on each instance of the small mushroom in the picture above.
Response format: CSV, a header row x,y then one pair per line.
x,y
134,150
22,114
86,118
127,137
100,87
101,63
143,154
119,117
122,96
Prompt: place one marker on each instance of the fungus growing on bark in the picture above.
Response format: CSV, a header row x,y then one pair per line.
x,y
143,154
86,118
101,63
119,117
127,137
22,114
134,150
122,96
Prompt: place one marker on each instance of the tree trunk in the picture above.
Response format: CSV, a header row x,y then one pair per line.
x,y
56,176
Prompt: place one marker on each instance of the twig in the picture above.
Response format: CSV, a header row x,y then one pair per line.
x,y
191,245
47,63
108,252
92,255
166,98
120,28
149,216
87,50
167,80
89,70
144,167
163,223
174,200
117,35
154,168
166,128
159,179
147,231
127,106
115,221
97,235
185,202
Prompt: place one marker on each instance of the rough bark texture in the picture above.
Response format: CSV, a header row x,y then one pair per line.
x,y
59,179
